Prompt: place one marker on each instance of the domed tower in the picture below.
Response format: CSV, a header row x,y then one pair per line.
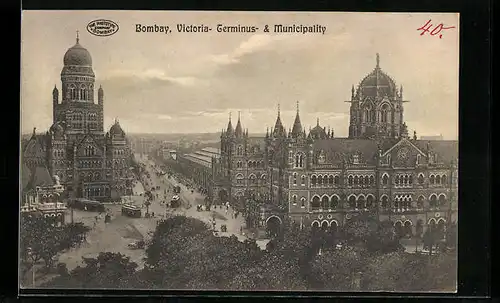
x,y
376,107
78,79
77,76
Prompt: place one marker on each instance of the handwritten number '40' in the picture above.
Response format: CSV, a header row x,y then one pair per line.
x,y
426,28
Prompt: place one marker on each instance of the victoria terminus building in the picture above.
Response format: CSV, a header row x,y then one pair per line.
x,y
316,179
76,150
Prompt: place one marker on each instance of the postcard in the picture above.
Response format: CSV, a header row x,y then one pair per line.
x,y
196,150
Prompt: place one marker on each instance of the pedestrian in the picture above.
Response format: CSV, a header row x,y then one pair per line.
x,y
241,230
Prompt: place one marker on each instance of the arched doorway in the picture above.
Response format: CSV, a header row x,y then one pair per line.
x,y
352,201
315,203
361,202
273,224
223,196
325,202
325,226
398,229
408,229
334,227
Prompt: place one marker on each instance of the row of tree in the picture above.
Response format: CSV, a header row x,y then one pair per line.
x,y
41,239
184,254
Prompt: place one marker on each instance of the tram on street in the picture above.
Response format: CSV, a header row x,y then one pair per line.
x,y
132,211
87,205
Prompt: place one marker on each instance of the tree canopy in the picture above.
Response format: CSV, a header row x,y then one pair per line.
x,y
185,254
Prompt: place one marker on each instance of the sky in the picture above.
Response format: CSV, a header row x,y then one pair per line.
x,y
193,82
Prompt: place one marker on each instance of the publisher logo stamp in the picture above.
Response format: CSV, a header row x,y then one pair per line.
x,y
102,27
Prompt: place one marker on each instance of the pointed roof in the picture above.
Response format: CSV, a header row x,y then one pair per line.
x,y
279,129
297,126
239,130
230,129
25,176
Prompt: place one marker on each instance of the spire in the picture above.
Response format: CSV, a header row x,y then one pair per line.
x,y
317,121
352,92
378,60
401,91
239,130
278,126
77,37
230,129
297,126
415,135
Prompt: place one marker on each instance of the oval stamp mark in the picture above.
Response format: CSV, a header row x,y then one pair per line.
x,y
102,27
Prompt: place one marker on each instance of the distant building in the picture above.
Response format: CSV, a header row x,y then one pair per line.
x,y
199,167
434,138
89,162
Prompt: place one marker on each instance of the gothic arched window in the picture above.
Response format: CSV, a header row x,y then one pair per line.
x,y
384,114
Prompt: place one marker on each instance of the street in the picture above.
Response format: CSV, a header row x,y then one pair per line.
x,y
117,234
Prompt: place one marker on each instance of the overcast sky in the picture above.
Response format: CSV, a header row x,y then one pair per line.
x,y
190,82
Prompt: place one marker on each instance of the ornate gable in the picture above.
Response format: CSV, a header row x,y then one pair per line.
x,y
404,154
35,148
88,147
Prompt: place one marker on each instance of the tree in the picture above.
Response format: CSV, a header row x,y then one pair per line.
x,y
275,270
376,236
107,270
384,239
360,228
336,269
170,235
41,239
386,273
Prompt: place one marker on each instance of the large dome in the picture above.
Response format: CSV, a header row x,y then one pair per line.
x,y
377,84
77,55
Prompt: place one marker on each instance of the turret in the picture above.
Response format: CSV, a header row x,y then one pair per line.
x,y
100,96
239,130
55,102
229,130
297,130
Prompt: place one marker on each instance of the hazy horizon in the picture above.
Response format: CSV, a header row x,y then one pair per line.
x,y
190,83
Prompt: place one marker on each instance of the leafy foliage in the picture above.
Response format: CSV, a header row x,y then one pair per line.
x,y
41,239
185,254
335,269
107,270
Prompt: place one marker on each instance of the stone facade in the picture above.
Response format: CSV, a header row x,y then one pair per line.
x,y
89,162
320,180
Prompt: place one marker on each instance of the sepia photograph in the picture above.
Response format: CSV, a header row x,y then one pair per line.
x,y
239,151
